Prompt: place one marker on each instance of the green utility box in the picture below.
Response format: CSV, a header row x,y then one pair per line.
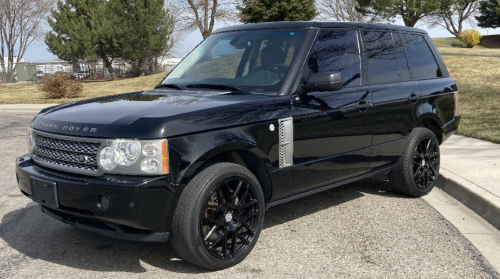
x,y
26,71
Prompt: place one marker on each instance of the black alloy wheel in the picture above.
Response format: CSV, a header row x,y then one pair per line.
x,y
229,218
417,170
425,163
219,217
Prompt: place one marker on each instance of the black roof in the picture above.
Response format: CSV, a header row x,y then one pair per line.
x,y
317,24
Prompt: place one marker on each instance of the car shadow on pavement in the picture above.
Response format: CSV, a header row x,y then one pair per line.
x,y
38,236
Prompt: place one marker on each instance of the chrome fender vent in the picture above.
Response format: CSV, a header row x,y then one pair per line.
x,y
286,142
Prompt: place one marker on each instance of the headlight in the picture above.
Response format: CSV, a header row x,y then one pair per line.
x,y
31,142
134,157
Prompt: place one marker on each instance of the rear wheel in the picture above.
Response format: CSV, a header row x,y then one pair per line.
x,y
219,217
417,170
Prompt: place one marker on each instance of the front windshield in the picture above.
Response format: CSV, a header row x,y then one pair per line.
x,y
254,61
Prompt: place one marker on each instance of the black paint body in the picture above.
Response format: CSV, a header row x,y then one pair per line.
x,y
338,136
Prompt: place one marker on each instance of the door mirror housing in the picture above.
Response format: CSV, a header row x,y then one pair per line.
x,y
329,81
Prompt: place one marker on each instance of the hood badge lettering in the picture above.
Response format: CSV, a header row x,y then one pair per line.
x,y
68,128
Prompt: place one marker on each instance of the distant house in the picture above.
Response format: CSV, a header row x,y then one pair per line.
x,y
53,67
169,63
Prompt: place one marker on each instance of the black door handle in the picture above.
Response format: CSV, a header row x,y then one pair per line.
x,y
414,98
363,106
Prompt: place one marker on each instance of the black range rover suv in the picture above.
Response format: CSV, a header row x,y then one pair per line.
x,y
255,116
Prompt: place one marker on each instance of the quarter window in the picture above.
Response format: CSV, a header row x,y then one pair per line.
x,y
422,62
337,51
382,62
404,70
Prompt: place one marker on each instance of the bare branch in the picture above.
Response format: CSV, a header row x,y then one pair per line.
x,y
202,14
452,16
21,23
341,10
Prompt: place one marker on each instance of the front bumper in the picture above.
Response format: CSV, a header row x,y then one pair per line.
x,y
140,208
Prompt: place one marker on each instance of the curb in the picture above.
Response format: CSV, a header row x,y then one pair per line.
x,y
484,203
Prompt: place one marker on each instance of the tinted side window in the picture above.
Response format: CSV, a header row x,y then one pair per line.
x,y
404,70
422,62
337,50
382,62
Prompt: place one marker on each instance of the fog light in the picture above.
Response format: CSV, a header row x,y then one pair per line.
x,y
103,203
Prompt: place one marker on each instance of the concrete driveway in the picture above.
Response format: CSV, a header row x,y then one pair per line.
x,y
360,230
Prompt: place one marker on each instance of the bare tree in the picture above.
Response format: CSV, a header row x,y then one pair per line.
x,y
453,14
341,10
21,23
202,14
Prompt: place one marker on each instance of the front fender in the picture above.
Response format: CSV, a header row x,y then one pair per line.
x,y
189,153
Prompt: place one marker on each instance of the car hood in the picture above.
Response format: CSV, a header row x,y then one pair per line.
x,y
159,114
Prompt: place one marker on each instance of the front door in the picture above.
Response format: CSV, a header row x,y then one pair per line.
x,y
332,130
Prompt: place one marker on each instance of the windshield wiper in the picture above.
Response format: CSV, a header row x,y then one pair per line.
x,y
218,86
171,85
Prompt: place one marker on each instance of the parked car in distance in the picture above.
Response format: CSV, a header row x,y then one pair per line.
x,y
255,116
71,75
40,74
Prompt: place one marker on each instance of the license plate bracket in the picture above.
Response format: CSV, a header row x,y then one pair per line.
x,y
44,192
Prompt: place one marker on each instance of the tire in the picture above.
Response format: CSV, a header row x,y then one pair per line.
x,y
416,171
223,205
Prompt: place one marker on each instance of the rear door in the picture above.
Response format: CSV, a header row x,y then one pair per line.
x,y
437,87
396,97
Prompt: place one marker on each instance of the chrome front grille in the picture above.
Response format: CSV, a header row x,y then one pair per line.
x,y
66,154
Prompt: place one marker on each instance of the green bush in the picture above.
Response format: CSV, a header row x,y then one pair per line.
x,y
60,86
470,37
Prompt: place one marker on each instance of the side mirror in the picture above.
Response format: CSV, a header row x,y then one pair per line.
x,y
329,81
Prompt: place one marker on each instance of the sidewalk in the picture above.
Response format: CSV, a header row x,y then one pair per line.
x,y
24,107
470,172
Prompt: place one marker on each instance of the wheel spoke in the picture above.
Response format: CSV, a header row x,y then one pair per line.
x,y
434,172
422,146
221,237
249,230
248,204
428,147
220,197
243,239
238,188
224,246
249,216
233,243
417,172
244,197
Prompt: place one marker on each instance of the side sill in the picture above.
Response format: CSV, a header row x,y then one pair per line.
x,y
384,169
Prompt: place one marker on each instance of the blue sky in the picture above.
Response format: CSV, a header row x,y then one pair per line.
x,y
38,52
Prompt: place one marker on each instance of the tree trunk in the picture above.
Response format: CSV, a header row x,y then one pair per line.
x,y
109,66
205,34
140,64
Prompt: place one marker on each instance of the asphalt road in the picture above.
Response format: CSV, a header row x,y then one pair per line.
x,y
360,230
